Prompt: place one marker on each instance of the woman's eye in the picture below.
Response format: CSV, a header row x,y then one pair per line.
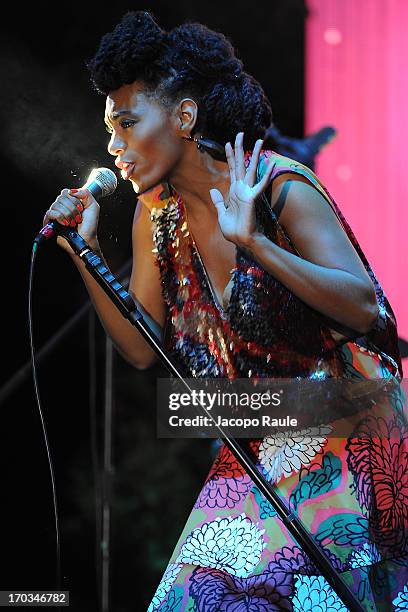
x,y
126,123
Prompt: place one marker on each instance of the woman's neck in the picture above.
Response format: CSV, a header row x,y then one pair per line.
x,y
195,176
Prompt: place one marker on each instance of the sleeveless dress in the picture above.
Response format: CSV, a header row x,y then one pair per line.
x,y
350,491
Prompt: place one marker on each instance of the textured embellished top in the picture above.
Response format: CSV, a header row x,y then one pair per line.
x,y
265,330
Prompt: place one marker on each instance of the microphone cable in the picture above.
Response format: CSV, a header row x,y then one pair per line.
x,y
101,182
44,429
95,452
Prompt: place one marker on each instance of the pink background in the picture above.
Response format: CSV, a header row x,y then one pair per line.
x,y
356,80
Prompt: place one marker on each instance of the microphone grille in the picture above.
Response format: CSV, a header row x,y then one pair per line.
x,y
105,179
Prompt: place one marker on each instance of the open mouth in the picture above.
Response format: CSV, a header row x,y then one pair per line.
x,y
127,170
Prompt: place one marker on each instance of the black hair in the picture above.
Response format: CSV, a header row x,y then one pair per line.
x,y
190,60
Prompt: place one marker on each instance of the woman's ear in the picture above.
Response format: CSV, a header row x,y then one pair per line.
x,y
187,113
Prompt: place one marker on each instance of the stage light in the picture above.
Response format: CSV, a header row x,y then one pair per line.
x,y
332,36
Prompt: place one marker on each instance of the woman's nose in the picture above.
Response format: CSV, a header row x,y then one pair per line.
x,y
116,145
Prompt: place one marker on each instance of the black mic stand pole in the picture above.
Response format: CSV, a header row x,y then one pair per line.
x,y
126,305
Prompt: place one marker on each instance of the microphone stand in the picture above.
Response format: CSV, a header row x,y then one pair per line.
x,y
126,305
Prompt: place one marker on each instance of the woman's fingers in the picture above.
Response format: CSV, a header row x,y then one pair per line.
x,y
231,161
66,210
239,157
251,172
54,214
236,164
70,212
217,199
263,183
236,158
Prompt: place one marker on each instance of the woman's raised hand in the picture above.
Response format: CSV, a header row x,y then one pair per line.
x,y
236,216
76,208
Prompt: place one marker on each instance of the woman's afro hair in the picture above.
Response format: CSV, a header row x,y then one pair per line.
x,y
190,60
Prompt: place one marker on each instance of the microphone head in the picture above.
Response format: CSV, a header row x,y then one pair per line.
x,y
101,182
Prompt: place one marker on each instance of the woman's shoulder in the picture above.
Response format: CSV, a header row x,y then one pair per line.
x,y
287,169
283,165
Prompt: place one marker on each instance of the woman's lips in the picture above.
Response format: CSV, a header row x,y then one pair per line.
x,y
126,172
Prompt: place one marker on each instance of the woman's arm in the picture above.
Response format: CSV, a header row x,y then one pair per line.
x,y
79,207
331,277
144,287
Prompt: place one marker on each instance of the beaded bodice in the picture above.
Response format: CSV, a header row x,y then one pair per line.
x,y
265,330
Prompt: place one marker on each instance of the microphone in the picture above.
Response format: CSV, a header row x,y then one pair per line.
x,y
101,182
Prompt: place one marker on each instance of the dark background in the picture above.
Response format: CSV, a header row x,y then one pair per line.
x,y
52,134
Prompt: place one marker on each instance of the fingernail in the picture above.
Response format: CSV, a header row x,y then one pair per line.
x,y
73,223
65,222
80,207
73,190
78,218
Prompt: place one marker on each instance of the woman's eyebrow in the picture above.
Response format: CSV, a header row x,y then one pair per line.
x,y
116,114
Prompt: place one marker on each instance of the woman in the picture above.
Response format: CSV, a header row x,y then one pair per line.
x,y
235,292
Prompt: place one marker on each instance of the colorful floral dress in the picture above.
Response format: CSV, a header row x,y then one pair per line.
x,y
350,491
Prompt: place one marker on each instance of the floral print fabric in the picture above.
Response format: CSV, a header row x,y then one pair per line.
x,y
349,490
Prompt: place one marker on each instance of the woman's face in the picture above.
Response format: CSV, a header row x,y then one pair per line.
x,y
145,137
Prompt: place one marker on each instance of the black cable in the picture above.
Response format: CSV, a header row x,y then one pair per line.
x,y
37,395
96,468
24,372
